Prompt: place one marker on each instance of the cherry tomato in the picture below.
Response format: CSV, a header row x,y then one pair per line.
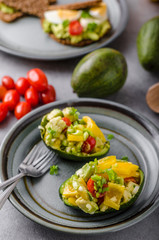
x,y
67,121
88,145
11,98
3,111
130,179
22,109
8,82
75,28
32,97
3,91
22,85
48,95
37,79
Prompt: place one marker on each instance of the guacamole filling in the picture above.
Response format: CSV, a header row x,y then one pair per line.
x,y
6,9
86,26
102,185
64,131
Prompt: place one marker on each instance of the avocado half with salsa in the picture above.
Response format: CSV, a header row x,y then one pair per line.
x,y
103,186
71,137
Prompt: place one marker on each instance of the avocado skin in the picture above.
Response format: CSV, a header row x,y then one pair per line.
x,y
148,45
100,73
123,206
73,157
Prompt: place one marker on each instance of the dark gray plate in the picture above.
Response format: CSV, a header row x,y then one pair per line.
x,y
39,200
25,37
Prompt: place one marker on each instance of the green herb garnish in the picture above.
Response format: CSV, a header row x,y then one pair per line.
x,y
85,14
91,27
110,136
125,158
54,170
65,23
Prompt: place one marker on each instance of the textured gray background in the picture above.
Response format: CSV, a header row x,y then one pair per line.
x,y
13,225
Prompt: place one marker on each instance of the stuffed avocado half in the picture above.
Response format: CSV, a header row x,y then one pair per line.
x,y
103,186
71,137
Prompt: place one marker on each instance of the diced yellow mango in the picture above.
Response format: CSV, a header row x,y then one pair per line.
x,y
106,162
56,144
75,138
113,197
125,169
72,201
91,125
82,182
69,192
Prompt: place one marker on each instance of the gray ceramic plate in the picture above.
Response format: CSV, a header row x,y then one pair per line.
x,y
25,36
39,200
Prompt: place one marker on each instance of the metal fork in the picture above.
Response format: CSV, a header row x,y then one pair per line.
x,y
35,164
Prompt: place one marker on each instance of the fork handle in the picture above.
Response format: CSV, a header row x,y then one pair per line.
x,y
4,195
11,180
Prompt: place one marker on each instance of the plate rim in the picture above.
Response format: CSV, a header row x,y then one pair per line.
x,y
139,118
121,27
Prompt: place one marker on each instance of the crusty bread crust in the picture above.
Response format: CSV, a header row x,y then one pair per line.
x,y
7,17
68,42
75,6
32,7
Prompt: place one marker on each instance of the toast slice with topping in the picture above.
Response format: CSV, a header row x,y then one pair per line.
x,y
77,24
10,10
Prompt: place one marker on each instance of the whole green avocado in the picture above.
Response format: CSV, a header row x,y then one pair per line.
x,y
99,74
148,45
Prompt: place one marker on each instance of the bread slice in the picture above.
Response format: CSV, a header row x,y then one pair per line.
x,y
68,42
76,6
7,17
31,7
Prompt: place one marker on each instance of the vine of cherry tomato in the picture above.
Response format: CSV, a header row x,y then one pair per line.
x,y
33,89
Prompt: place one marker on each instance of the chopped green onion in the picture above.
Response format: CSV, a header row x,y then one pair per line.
x,y
111,174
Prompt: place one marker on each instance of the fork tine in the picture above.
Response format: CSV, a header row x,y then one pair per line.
x,y
35,154
41,159
44,160
46,166
30,154
47,162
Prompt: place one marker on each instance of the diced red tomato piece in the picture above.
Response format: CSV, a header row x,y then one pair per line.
x,y
89,144
90,187
75,28
130,179
67,121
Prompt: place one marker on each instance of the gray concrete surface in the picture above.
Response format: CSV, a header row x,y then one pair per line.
x,y
13,225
